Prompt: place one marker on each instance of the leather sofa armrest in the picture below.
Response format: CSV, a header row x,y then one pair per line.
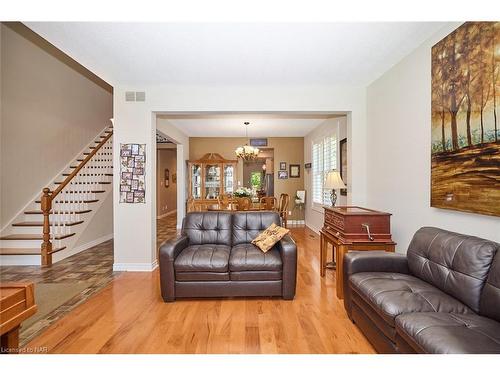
x,y
168,252
370,261
288,251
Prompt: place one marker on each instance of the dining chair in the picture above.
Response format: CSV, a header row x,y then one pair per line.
x,y
244,204
224,200
267,203
284,202
190,205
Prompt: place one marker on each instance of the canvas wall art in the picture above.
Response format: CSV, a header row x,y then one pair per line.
x,y
465,162
132,173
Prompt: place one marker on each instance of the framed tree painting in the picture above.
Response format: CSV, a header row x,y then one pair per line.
x,y
465,136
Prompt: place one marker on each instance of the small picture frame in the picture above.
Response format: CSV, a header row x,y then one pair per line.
x,y
294,170
282,165
167,178
258,142
282,175
307,165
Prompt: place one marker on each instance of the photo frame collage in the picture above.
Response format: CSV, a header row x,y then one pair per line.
x,y
132,173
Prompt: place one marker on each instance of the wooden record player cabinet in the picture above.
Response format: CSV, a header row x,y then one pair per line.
x,y
353,228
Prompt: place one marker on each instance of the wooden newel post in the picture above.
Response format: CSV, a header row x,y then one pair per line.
x,y
46,205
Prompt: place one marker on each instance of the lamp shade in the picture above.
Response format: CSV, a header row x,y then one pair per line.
x,y
334,181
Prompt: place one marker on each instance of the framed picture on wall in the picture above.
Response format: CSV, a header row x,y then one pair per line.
x,y
167,178
282,175
294,170
282,165
343,164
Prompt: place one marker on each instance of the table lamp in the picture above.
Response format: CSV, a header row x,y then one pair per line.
x,y
334,181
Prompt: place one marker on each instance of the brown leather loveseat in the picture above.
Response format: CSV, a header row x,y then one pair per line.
x,y
214,257
442,297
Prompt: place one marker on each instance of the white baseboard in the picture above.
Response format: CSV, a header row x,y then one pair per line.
x,y
135,267
167,214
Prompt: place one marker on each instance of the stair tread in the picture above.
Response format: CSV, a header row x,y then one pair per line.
x,y
39,212
87,183
87,191
75,166
34,237
40,223
87,201
27,251
20,251
105,174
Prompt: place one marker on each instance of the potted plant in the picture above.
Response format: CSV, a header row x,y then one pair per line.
x,y
242,194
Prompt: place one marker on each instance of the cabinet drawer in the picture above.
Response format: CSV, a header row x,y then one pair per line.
x,y
334,220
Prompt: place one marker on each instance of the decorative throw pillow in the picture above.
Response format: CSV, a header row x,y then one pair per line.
x,y
269,237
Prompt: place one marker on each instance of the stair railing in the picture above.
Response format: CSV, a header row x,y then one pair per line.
x,y
75,193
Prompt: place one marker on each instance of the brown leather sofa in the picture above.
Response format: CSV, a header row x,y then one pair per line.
x,y
214,257
442,297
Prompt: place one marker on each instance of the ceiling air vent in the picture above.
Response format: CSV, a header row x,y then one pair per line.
x,y
140,96
130,96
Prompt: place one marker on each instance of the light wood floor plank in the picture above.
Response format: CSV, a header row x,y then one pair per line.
x,y
129,316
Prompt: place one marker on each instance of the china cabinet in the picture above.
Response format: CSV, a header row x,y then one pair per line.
x,y
209,177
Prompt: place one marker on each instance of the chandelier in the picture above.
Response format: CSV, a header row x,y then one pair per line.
x,y
246,152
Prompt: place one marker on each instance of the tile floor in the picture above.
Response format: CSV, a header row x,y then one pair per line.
x,y
94,265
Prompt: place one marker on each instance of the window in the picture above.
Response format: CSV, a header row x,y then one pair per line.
x,y
324,159
256,180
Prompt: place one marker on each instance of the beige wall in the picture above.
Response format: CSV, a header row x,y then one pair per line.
x,y
166,197
287,149
399,151
51,109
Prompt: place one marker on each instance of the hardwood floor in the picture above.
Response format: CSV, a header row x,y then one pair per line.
x,y
129,316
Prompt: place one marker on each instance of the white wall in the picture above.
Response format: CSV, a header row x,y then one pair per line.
x,y
399,151
339,127
100,227
134,224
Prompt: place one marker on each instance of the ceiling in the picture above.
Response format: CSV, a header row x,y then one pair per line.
x,y
261,125
143,54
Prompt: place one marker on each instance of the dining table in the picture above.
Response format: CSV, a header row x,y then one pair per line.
x,y
231,207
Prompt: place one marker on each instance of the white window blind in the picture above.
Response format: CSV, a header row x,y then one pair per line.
x,y
324,159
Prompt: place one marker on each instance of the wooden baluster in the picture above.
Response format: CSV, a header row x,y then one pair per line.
x,y
46,205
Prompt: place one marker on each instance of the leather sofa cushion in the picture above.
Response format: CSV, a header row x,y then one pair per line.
x,y
208,228
490,297
455,263
248,225
203,258
248,257
202,276
255,275
450,333
391,294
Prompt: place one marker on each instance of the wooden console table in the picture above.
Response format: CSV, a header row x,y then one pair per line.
x,y
353,228
17,303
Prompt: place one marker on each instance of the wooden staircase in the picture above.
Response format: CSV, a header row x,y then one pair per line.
x,y
50,223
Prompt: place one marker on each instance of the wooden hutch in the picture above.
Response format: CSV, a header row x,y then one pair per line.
x,y
209,177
